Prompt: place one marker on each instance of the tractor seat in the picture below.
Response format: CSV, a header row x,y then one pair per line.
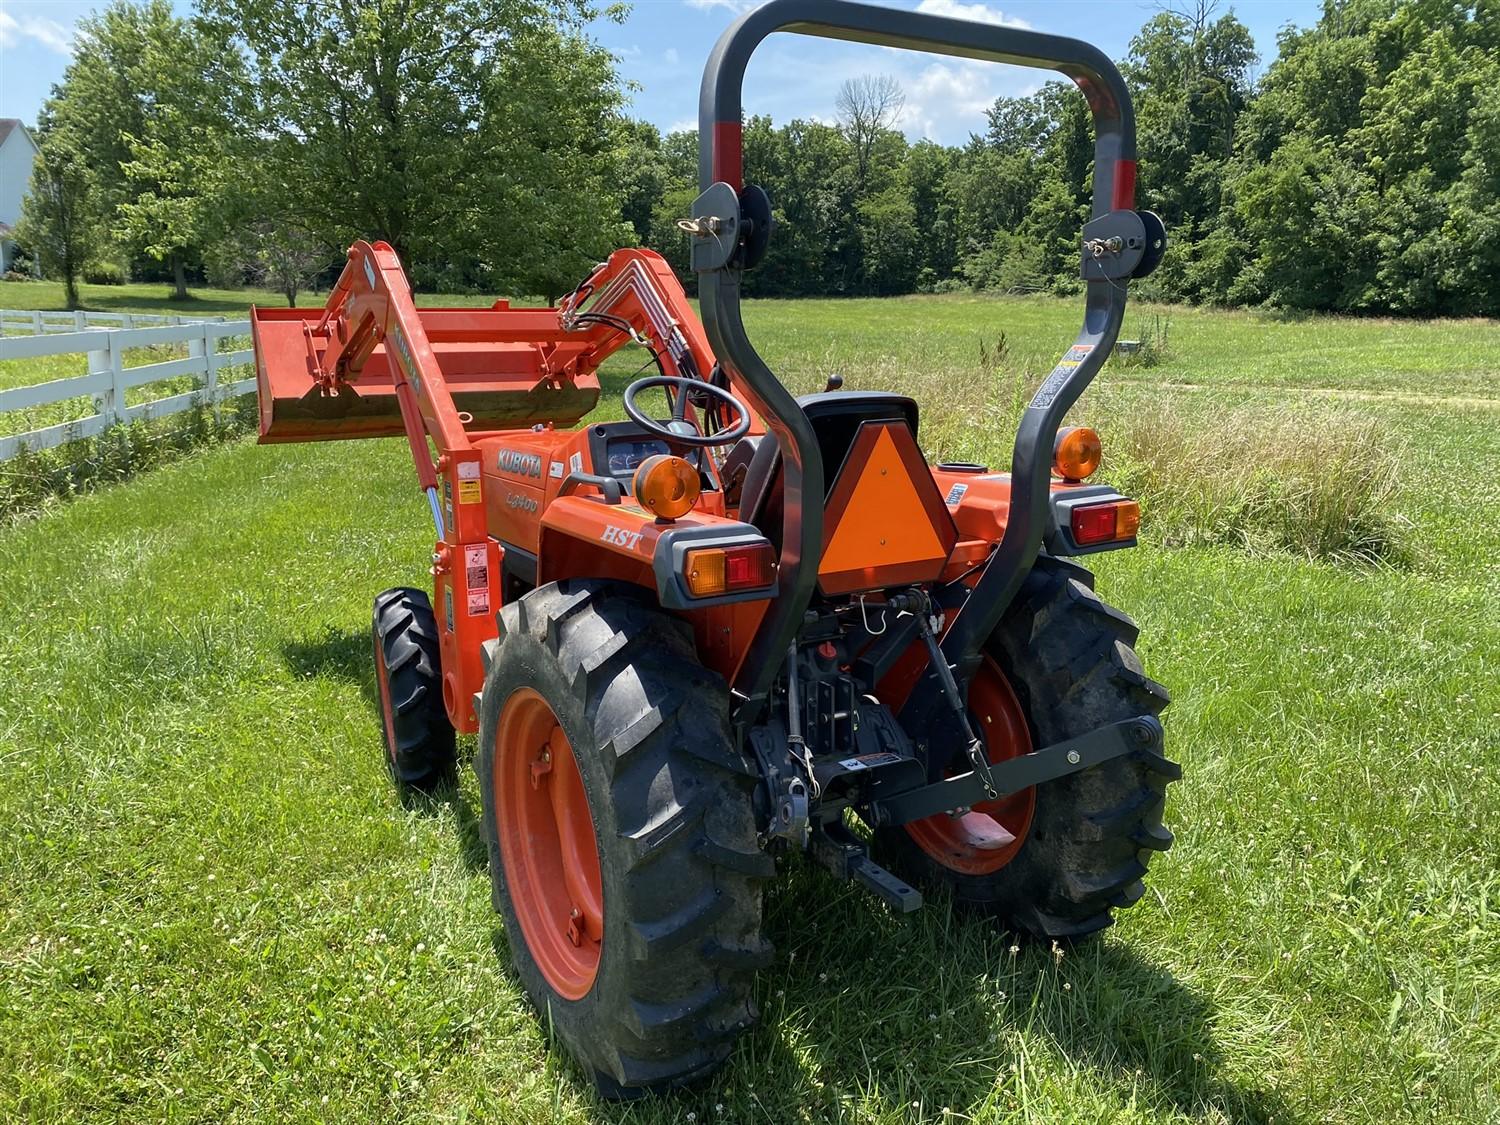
x,y
836,417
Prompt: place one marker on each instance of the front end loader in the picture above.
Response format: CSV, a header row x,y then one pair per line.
x,y
741,623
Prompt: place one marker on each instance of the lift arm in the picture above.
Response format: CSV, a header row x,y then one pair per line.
x,y
371,364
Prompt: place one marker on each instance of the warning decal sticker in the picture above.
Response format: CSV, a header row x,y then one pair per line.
x,y
869,761
477,578
468,491
1047,393
468,470
956,493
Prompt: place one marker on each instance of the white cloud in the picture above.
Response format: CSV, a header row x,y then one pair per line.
x,y
48,33
686,125
979,12
735,6
670,54
944,94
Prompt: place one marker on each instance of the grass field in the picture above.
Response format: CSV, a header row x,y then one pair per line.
x,y
215,908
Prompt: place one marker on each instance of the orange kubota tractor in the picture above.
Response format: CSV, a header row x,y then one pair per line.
x,y
695,639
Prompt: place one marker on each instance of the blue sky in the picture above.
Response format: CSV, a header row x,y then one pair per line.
x,y
662,44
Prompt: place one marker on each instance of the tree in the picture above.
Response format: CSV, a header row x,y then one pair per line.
x,y
59,217
286,258
1189,69
149,99
867,107
478,137
1473,231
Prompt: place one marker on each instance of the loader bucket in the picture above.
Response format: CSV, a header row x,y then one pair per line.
x,y
505,368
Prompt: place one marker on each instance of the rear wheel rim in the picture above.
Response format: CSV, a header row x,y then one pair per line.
x,y
547,844
985,839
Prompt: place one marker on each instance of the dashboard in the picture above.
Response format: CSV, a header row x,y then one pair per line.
x,y
624,454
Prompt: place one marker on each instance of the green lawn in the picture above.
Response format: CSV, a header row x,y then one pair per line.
x,y
215,908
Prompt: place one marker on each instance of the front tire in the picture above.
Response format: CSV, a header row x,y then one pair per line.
x,y
419,739
657,866
1068,660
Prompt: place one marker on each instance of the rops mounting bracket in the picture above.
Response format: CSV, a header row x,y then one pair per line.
x,y
1113,245
729,229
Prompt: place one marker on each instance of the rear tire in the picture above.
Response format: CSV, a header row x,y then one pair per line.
x,y
671,804
419,739
1069,659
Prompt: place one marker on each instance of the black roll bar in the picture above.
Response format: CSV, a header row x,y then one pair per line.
x,y
720,163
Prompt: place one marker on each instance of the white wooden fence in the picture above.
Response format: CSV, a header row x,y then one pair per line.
x,y
109,378
34,322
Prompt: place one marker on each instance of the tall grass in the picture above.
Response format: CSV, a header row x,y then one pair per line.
x,y
1317,483
31,481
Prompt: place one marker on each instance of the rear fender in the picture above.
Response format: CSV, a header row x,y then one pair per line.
x,y
980,505
586,537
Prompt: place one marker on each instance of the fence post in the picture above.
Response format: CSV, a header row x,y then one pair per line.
x,y
128,320
196,350
80,319
36,321
211,370
99,364
116,377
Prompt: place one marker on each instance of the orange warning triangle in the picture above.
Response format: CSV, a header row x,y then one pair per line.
x,y
881,529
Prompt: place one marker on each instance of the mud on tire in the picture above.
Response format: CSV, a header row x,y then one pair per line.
x,y
1068,656
419,739
671,804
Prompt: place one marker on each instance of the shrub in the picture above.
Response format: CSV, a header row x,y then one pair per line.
x,y
104,273
1315,482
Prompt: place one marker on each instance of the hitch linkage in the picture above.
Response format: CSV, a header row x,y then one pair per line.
x,y
920,605
838,850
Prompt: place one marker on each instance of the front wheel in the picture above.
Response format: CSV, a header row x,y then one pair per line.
x,y
419,739
1053,861
621,832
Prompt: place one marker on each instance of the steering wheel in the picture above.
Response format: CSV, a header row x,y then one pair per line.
x,y
679,429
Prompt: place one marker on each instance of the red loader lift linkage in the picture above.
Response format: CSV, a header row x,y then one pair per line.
x,y
372,364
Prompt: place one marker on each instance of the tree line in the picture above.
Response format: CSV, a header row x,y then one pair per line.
x,y
490,143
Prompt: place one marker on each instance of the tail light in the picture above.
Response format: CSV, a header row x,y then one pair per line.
x,y
711,571
1105,523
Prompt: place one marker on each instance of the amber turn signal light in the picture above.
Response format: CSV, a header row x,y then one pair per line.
x,y
1076,453
1105,523
727,570
666,486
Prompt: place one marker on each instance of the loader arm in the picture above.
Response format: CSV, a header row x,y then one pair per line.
x,y
372,364
638,288
371,305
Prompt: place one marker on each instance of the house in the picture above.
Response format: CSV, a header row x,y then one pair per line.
x,y
17,154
